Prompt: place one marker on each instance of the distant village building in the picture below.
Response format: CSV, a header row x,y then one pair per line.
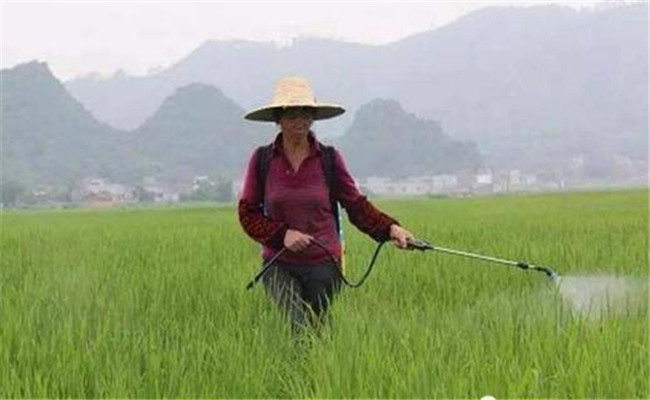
x,y
237,188
99,193
463,183
160,193
200,181
444,183
414,186
629,170
377,185
514,177
484,177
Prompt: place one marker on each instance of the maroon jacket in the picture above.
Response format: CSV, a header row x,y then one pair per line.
x,y
300,200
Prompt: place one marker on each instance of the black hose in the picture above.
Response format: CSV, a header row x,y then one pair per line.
x,y
266,267
335,265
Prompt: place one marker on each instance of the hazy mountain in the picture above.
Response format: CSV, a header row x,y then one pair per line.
x,y
197,131
244,70
47,136
385,140
531,86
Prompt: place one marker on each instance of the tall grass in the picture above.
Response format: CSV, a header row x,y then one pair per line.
x,y
151,304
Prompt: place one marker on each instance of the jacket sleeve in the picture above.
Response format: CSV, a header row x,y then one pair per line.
x,y
361,212
251,215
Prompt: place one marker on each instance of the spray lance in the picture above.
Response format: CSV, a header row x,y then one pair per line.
x,y
423,246
413,244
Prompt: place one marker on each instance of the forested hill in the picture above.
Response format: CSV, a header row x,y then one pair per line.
x,y
385,140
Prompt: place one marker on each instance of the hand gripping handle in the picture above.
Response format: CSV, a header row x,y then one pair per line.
x,y
418,244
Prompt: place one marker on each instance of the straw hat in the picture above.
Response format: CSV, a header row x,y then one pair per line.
x,y
294,92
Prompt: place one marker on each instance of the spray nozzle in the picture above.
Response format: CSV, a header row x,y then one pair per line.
x,y
552,275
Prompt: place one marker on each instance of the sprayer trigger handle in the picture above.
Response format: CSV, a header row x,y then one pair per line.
x,y
418,244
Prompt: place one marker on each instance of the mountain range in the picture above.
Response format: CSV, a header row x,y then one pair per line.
x,y
532,87
50,139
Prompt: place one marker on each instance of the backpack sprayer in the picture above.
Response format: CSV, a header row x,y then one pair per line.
x,y
414,244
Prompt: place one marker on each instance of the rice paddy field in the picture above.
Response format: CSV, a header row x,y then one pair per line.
x,y
151,303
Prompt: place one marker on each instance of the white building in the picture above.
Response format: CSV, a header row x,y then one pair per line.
x,y
484,177
413,186
237,188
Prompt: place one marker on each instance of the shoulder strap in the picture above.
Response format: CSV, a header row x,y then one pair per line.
x,y
328,164
263,155
328,171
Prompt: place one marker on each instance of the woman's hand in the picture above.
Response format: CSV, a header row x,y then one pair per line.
x,y
296,241
399,236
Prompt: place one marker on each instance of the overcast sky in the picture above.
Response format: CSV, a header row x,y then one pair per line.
x,y
77,38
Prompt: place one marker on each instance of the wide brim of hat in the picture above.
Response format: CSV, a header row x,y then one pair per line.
x,y
321,111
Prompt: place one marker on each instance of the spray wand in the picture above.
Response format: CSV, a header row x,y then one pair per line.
x,y
423,246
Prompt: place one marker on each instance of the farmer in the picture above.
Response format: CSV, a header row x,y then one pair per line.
x,y
289,200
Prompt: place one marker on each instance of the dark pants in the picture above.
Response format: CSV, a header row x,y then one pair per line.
x,y
302,292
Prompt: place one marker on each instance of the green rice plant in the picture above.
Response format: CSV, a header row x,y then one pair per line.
x,y
150,303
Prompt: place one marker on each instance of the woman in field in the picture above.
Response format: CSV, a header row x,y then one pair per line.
x,y
289,200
